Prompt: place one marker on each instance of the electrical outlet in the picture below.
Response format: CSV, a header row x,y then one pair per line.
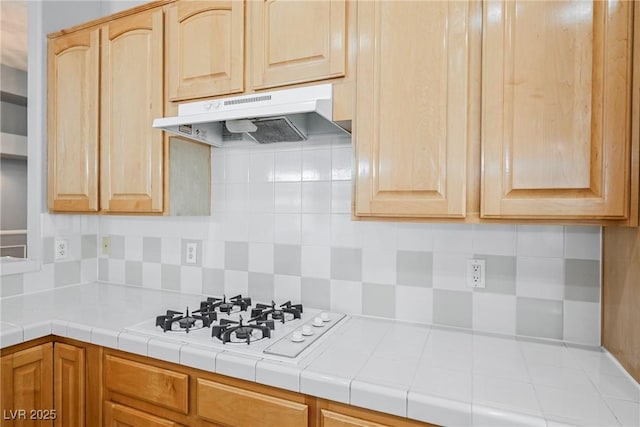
x,y
61,248
106,245
476,273
192,253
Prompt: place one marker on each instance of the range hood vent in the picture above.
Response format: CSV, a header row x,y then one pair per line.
x,y
289,115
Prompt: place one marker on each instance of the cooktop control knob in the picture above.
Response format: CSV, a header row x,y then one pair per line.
x,y
325,317
296,336
317,321
306,330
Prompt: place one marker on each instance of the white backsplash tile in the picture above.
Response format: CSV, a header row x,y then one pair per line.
x,y
540,241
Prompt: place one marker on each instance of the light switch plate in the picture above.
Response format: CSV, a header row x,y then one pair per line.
x,y
106,245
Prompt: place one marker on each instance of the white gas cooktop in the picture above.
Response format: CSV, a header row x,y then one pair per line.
x,y
243,329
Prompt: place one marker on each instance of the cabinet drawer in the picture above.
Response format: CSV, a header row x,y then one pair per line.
x,y
333,419
117,415
224,404
156,385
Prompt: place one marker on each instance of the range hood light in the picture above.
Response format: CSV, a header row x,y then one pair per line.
x,y
240,126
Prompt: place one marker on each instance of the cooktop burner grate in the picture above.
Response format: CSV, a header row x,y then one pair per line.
x,y
176,321
232,331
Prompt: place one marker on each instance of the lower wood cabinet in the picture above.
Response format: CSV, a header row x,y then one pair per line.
x,y
69,385
332,414
53,383
119,416
27,387
223,404
63,382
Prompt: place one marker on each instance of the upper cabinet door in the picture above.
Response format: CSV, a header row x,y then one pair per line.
x,y
73,82
556,109
131,151
205,48
296,41
412,108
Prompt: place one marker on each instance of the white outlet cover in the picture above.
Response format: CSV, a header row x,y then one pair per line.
x,y
61,249
476,273
192,253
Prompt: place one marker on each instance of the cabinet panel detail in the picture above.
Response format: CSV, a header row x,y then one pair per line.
x,y
69,385
556,109
411,133
131,159
27,383
205,43
73,86
297,41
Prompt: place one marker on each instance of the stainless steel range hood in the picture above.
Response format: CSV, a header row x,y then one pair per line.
x,y
280,116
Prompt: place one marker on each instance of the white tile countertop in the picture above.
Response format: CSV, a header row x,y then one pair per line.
x,y
433,374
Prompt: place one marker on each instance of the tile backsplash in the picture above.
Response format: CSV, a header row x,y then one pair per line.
x,y
79,266
281,229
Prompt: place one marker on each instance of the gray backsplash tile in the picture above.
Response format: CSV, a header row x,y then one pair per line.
x,y
66,273
212,281
346,264
103,269
316,293
236,256
539,317
151,249
414,268
133,273
287,259
261,287
582,280
117,247
452,308
500,274
170,277
379,300
89,245
11,285
47,250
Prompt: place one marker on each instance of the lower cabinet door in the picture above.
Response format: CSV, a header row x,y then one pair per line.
x,y
69,382
27,387
121,416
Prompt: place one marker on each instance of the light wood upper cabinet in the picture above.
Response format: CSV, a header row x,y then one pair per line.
x,y
73,85
205,48
69,385
296,41
27,383
131,151
556,109
412,109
